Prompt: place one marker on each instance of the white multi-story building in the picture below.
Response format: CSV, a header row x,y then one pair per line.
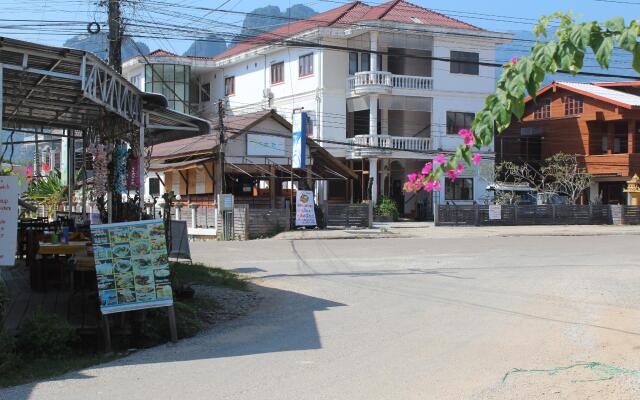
x,y
386,88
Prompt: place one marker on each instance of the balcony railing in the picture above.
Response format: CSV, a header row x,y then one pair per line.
x,y
385,145
382,81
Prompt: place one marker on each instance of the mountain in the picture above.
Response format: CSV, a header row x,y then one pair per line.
x,y
523,41
270,17
209,47
98,45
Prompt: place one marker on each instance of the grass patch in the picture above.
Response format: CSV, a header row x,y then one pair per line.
x,y
202,275
43,368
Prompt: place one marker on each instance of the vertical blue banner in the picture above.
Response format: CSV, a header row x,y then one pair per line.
x,y
299,150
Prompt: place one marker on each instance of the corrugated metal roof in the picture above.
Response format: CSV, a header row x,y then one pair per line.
x,y
614,96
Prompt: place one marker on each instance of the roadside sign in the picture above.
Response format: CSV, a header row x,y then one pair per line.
x,y
495,212
305,210
8,219
132,267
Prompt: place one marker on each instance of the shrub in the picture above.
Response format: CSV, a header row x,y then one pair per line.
x,y
387,207
4,299
156,326
45,335
7,351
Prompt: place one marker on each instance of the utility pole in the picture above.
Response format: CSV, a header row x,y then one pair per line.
x,y
115,35
223,186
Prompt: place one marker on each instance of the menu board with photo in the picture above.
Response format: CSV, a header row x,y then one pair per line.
x,y
132,266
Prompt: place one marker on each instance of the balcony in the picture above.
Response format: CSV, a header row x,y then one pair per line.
x,y
382,82
368,146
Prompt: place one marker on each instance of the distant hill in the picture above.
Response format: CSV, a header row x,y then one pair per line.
x,y
523,40
98,45
209,47
270,17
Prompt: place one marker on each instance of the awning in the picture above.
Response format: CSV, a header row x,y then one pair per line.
x,y
179,165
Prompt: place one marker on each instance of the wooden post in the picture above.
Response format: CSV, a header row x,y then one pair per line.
x,y
172,323
631,136
106,330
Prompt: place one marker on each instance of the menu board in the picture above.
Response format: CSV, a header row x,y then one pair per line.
x,y
8,219
132,266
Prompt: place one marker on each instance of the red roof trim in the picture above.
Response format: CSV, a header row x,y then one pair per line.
x,y
616,84
582,92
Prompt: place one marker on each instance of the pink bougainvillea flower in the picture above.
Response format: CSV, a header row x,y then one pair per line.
x,y
460,169
412,178
428,186
452,174
408,187
476,158
440,159
427,168
436,184
515,60
467,135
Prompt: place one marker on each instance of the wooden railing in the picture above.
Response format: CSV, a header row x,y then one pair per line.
x,y
366,80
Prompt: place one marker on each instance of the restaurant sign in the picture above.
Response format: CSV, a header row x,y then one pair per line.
x,y
8,219
305,208
132,266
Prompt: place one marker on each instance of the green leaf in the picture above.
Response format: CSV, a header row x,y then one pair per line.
x,y
615,24
628,37
636,59
602,47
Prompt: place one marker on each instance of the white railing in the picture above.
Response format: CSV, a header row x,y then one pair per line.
x,y
377,80
381,145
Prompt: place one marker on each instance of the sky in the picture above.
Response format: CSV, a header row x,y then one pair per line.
x,y
501,15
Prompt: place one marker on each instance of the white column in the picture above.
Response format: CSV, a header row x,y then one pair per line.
x,y
373,114
374,48
373,173
194,215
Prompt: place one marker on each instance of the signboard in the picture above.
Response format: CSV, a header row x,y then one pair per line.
x,y
305,212
133,173
132,266
299,144
179,241
265,145
495,212
8,219
225,202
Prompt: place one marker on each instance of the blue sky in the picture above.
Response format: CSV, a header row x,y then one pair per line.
x,y
520,14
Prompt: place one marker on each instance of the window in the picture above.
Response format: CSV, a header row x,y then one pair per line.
x,y
463,62
172,81
543,109
205,92
229,85
460,189
365,62
458,120
200,177
353,63
135,81
573,105
154,186
175,182
305,65
277,73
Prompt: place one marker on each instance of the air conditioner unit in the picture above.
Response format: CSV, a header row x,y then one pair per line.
x,y
267,93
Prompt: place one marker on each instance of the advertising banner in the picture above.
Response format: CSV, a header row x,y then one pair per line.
x,y
8,219
305,212
299,149
495,212
132,266
133,173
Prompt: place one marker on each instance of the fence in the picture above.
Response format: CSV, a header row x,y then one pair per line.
x,y
347,215
478,215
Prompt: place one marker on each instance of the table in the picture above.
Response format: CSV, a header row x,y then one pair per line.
x,y
73,248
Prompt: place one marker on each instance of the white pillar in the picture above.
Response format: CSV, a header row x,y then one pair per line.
x,y
374,47
194,215
373,173
373,114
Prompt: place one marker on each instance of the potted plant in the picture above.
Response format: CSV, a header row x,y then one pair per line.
x,y
386,210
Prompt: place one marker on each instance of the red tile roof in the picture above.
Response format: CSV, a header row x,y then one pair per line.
x,y
395,11
162,53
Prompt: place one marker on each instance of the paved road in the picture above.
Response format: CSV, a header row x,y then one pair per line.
x,y
403,319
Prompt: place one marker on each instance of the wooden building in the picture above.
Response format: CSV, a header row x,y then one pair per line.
x,y
597,121
257,164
